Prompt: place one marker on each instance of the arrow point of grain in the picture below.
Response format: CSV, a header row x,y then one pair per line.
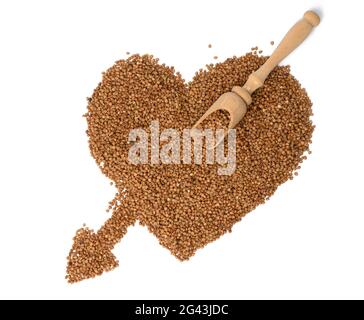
x,y
89,256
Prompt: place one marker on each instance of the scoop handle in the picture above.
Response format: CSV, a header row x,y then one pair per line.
x,y
294,37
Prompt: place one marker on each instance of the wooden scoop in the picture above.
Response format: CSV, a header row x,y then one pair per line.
x,y
237,101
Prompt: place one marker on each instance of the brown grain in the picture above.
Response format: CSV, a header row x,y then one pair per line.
x,y
187,206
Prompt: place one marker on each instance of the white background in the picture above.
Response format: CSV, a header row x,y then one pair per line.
x,y
306,242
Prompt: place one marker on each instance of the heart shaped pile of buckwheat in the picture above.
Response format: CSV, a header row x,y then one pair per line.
x,y
187,206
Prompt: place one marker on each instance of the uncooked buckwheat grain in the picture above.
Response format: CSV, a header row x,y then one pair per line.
x,y
187,206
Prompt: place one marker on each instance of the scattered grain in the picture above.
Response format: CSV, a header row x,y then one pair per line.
x,y
187,206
